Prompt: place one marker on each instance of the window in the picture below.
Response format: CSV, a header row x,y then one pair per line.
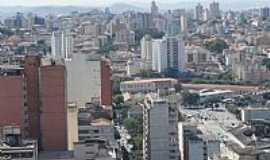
x,y
83,131
190,58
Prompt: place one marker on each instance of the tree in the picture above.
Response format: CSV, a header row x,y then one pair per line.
x,y
109,46
19,50
138,142
190,98
130,123
266,96
266,63
216,46
116,87
178,87
150,74
233,109
118,99
139,33
134,125
6,31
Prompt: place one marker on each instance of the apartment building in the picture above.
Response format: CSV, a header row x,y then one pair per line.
x,y
160,130
32,98
195,143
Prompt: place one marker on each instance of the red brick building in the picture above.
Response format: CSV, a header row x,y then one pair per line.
x,y
12,101
106,83
53,107
35,100
31,72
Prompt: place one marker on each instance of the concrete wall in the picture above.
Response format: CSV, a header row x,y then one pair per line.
x,y
83,80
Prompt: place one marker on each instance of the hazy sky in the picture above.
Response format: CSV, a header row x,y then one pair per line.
x,y
67,2
87,2
102,3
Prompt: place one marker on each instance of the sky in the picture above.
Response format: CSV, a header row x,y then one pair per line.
x,y
63,2
86,2
140,3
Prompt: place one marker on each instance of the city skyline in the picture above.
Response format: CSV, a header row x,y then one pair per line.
x,y
139,3
135,80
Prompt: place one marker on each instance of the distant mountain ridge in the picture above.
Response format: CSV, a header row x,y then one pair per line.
x,y
132,5
8,11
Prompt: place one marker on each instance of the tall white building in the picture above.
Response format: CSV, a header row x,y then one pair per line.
x,y
183,23
214,10
199,12
146,48
154,8
160,130
168,53
146,53
62,44
159,57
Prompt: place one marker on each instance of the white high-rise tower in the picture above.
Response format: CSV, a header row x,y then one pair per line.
x,y
62,44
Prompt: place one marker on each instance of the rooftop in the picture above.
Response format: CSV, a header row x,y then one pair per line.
x,y
150,80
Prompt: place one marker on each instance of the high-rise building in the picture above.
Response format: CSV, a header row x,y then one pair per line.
x,y
62,44
196,143
214,10
106,82
30,20
199,12
206,14
175,52
146,48
125,37
12,102
31,72
94,77
143,21
168,53
159,57
10,22
34,97
183,23
19,20
265,12
53,120
39,20
154,8
160,129
173,23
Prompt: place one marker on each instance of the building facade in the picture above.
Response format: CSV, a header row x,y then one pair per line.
x,y
62,44
94,77
160,129
53,107
159,57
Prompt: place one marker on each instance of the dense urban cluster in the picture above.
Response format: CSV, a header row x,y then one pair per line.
x,y
182,84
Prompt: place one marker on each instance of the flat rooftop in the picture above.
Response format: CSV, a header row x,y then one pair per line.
x,y
150,80
221,87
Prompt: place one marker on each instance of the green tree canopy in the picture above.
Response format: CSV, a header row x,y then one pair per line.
x,y
266,63
216,46
190,98
118,99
